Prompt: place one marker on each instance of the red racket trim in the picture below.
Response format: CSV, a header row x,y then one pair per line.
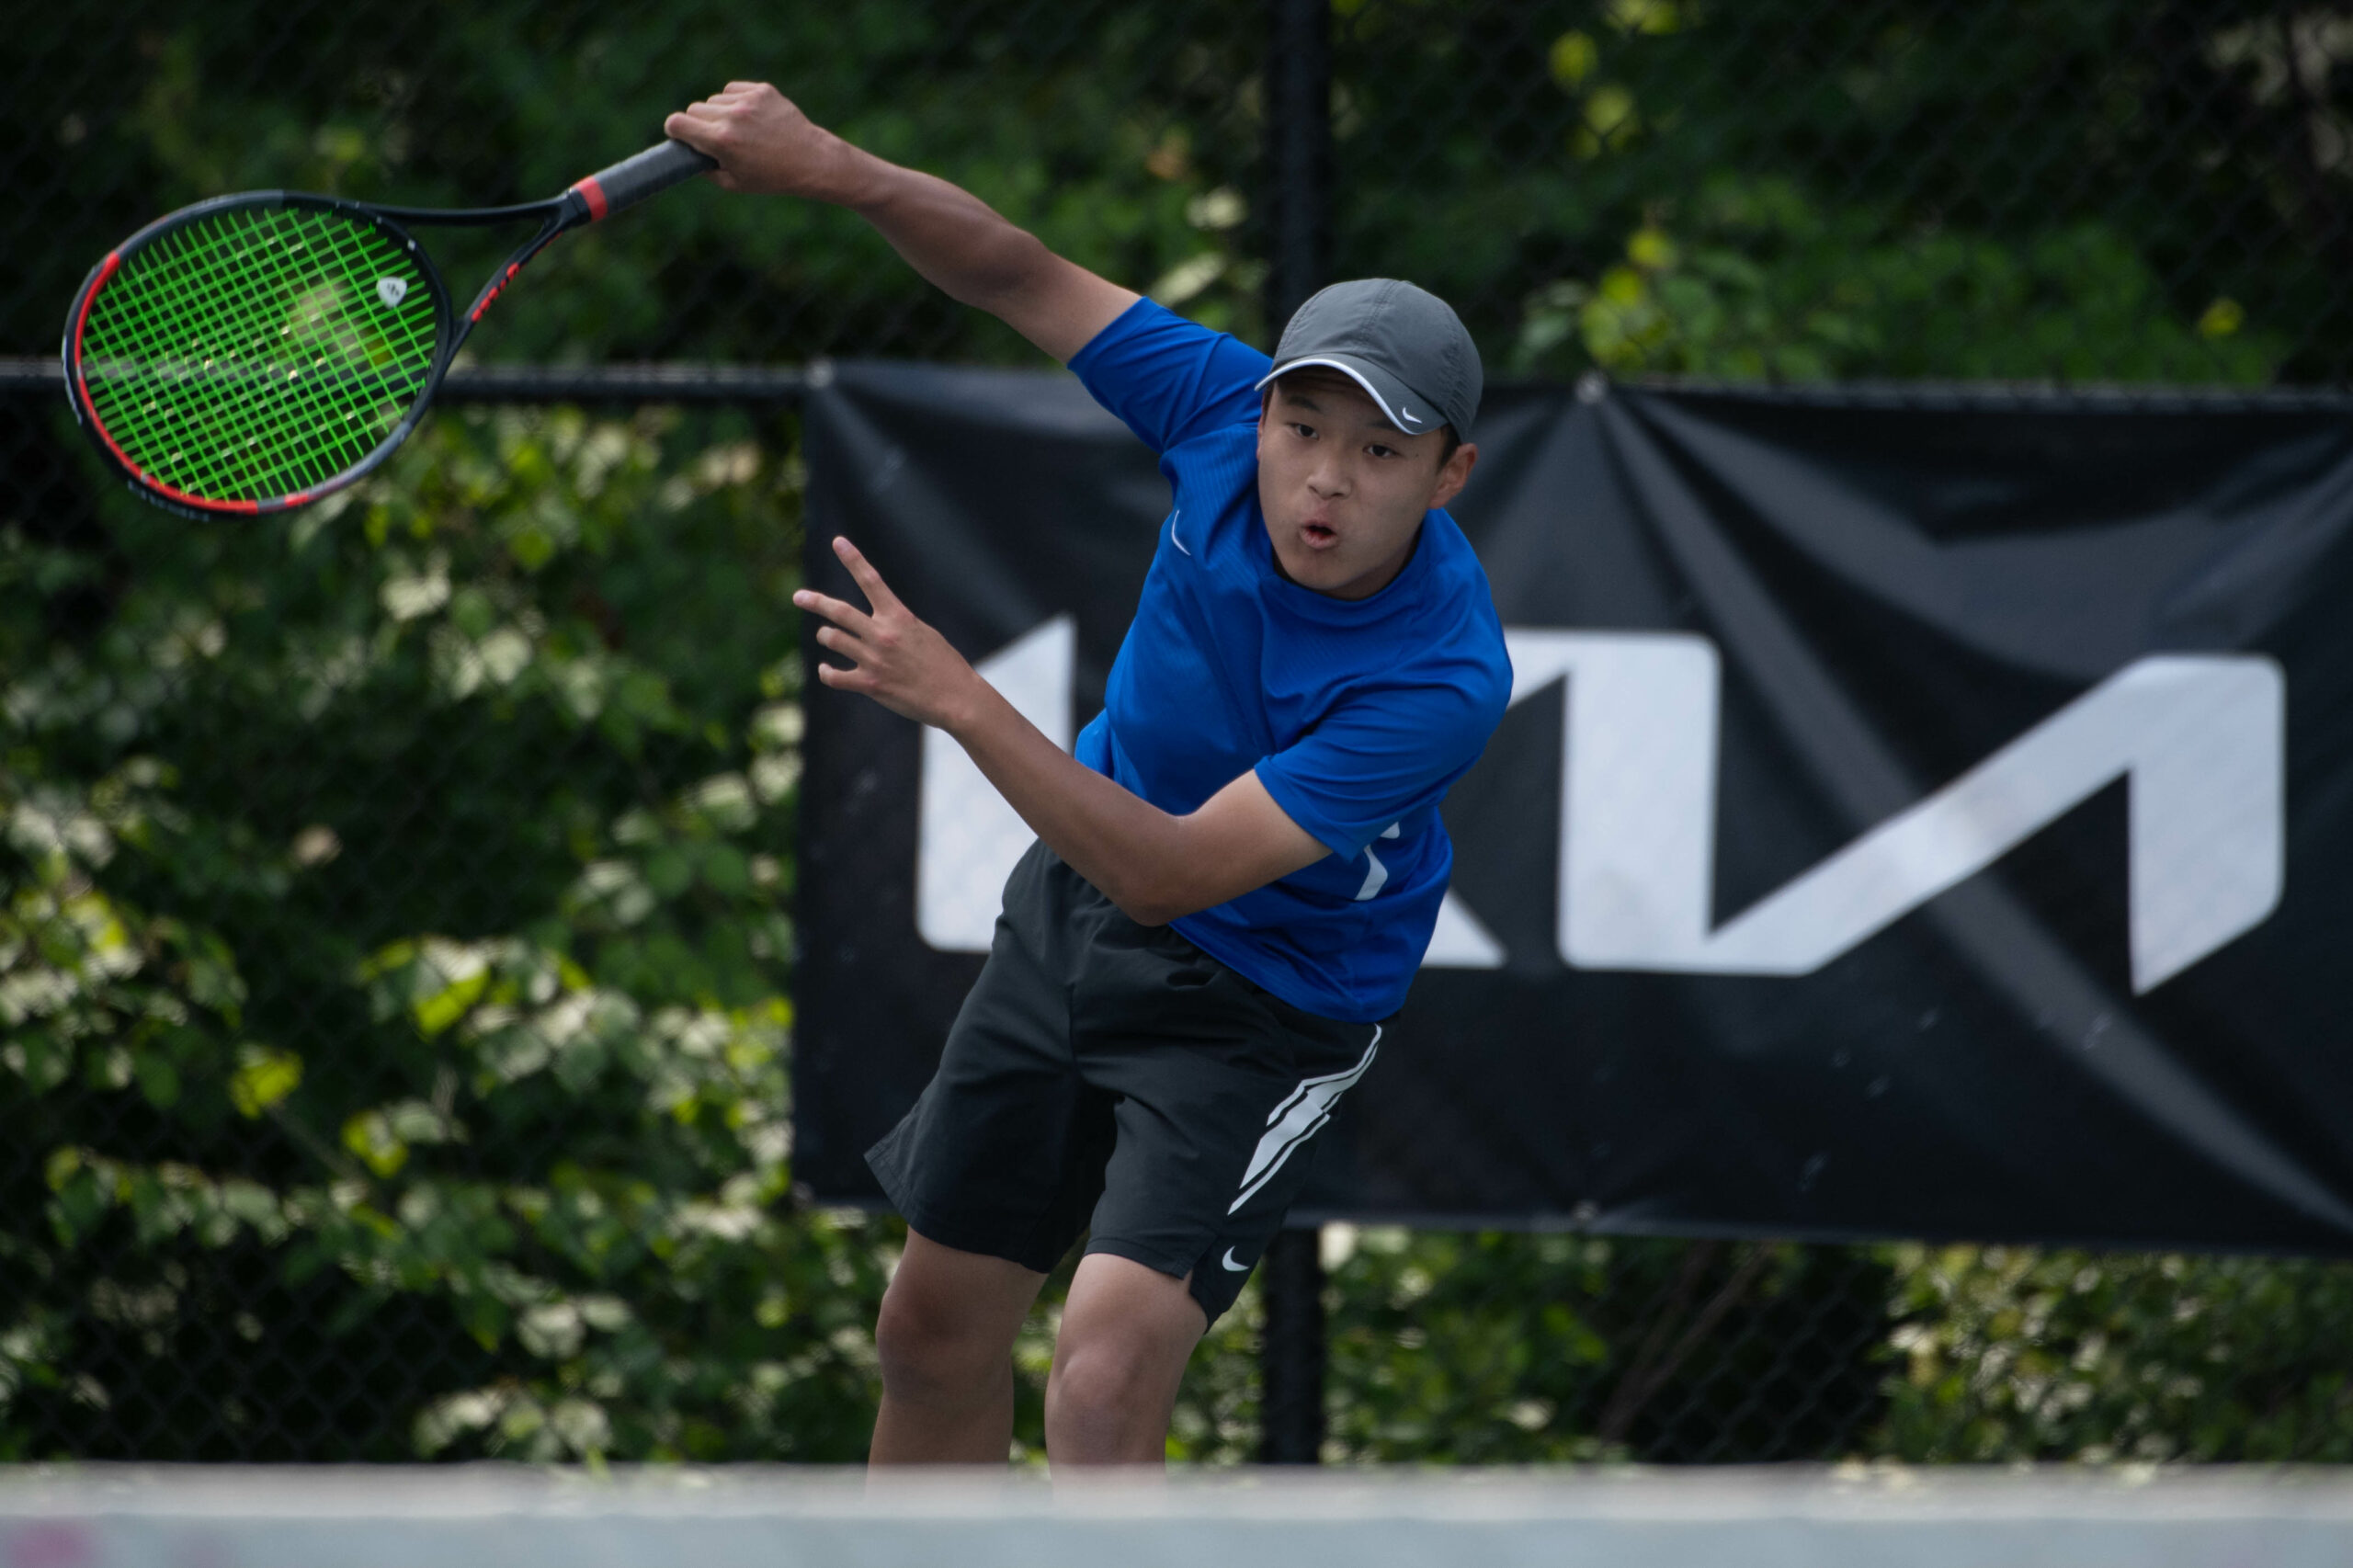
x,y
106,269
493,292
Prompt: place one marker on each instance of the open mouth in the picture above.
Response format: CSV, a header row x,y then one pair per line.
x,y
1320,535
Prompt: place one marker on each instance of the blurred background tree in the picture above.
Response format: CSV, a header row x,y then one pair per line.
x,y
2083,190
395,970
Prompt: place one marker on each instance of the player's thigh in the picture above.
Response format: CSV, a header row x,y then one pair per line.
x,y
1127,1329
945,1308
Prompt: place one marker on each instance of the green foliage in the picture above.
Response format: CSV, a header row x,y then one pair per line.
x,y
1504,1349
428,898
1759,282
95,993
2079,190
2070,188
2013,1354
1093,124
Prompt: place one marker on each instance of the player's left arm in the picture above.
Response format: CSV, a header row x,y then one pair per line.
x,y
1154,865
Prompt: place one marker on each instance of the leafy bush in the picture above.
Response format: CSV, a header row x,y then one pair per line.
x,y
415,871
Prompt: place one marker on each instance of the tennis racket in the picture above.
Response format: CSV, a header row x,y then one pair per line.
x,y
259,351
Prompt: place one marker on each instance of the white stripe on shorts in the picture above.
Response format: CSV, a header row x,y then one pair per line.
x,y
1293,1122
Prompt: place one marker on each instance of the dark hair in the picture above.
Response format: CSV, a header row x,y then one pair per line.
x,y
1314,377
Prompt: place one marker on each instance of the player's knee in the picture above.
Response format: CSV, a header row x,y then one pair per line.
x,y
929,1352
1106,1383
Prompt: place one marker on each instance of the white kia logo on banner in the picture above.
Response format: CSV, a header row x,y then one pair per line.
x,y
2201,740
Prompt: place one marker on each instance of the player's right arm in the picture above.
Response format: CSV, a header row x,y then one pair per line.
x,y
765,143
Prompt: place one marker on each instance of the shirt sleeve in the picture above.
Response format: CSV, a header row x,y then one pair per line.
x,y
1168,379
1380,756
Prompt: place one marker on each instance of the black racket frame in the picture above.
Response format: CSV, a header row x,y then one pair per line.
x,y
587,201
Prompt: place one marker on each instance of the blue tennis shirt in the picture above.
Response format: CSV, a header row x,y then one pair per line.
x,y
1358,715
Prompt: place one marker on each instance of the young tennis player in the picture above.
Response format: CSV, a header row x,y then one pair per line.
x,y
1237,873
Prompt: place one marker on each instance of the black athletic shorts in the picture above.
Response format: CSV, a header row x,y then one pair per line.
x,y
1111,1077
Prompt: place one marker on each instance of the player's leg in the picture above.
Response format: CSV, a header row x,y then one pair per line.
x,y
1218,1089
1127,1332
996,1169
945,1339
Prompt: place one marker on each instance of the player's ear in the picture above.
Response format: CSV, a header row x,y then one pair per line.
x,y
1453,474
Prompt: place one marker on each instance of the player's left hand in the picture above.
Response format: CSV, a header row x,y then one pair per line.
x,y
893,658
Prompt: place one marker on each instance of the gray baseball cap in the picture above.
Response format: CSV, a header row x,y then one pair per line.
x,y
1402,345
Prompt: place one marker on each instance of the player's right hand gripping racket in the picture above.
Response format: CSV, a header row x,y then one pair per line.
x,y
259,351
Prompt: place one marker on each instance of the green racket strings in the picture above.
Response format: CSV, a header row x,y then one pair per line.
x,y
259,351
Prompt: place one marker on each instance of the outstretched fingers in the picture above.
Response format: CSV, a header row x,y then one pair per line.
x,y
851,626
869,582
842,645
844,677
889,654
849,617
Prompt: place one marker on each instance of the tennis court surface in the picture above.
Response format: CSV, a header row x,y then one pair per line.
x,y
1777,1517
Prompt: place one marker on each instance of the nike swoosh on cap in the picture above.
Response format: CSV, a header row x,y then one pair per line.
x,y
1236,1267
1409,415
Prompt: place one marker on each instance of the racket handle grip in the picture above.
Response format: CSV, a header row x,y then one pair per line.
x,y
633,180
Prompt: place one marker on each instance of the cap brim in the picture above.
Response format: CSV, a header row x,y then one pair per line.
x,y
1398,406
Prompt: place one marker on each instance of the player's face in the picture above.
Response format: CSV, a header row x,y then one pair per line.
x,y
1343,490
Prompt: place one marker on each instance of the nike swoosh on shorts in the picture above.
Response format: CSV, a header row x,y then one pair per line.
x,y
1236,1267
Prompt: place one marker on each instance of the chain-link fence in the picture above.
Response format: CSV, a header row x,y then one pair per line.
x,y
2085,189
396,977
2081,190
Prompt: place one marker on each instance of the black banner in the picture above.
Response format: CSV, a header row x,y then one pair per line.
x,y
1916,816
